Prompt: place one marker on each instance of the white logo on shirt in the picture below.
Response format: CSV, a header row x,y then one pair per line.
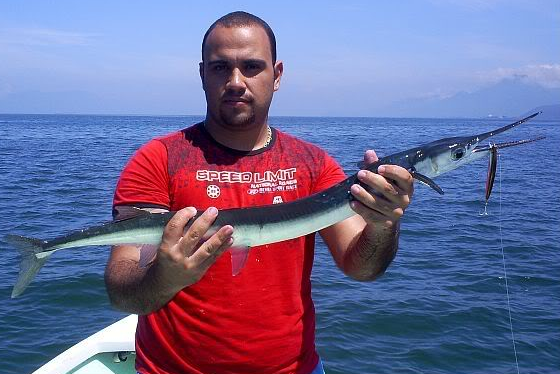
x,y
267,181
246,177
213,191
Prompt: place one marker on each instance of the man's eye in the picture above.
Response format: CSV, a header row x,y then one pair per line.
x,y
253,67
219,67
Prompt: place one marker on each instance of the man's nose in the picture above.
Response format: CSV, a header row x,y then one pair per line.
x,y
236,81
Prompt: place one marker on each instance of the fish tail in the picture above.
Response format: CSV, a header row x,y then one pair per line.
x,y
30,264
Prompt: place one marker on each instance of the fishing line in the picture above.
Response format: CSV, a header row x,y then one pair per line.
x,y
504,265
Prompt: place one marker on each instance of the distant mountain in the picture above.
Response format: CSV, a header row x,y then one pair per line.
x,y
509,98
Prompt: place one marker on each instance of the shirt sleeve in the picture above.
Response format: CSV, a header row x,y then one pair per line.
x,y
144,180
330,174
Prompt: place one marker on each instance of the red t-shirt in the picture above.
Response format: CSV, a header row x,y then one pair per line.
x,y
261,320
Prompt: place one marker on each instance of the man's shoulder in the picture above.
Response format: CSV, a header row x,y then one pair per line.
x,y
322,169
161,145
296,142
174,137
186,132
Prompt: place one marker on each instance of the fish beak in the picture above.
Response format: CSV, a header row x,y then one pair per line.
x,y
484,148
486,135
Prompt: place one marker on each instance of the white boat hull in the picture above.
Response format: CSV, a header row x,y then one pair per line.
x,y
108,351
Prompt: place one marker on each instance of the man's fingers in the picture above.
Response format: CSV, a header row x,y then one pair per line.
x,y
185,255
392,187
370,214
370,157
399,176
375,206
378,183
175,227
197,230
208,252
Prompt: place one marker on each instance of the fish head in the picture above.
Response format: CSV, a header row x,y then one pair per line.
x,y
444,155
447,154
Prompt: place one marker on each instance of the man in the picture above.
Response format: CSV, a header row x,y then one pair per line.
x,y
195,317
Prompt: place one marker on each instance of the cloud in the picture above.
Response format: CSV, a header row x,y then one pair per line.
x,y
44,37
545,75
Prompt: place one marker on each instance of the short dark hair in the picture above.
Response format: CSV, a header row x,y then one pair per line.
x,y
242,19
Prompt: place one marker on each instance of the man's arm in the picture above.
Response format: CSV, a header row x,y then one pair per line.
x,y
363,246
180,262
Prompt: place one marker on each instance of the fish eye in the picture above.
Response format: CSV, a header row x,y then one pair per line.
x,y
457,153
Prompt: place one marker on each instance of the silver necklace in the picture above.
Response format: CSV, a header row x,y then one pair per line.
x,y
268,136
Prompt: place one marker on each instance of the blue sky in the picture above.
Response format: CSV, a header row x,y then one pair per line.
x,y
341,58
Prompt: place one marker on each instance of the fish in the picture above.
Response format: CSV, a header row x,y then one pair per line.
x,y
491,175
260,225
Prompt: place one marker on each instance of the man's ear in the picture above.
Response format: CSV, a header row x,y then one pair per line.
x,y
278,70
201,72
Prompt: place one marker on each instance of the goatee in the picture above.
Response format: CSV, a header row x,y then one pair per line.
x,y
238,120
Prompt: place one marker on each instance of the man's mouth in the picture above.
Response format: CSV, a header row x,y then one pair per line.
x,y
235,101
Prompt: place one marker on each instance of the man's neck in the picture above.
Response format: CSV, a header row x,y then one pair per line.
x,y
248,139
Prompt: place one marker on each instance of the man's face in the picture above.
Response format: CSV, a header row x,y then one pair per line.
x,y
238,76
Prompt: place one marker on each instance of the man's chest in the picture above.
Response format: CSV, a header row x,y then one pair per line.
x,y
248,182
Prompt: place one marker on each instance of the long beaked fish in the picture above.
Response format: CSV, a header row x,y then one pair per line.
x,y
254,226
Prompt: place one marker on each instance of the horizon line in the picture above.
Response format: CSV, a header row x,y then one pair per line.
x,y
488,117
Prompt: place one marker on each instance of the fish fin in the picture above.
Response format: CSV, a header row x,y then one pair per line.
x,y
30,264
427,181
239,257
126,212
147,254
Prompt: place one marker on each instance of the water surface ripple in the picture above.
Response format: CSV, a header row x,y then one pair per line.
x,y
440,308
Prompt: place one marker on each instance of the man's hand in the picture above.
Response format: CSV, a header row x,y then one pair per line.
x,y
364,245
181,260
184,256
391,188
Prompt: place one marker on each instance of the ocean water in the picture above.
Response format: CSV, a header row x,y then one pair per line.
x,y
440,308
